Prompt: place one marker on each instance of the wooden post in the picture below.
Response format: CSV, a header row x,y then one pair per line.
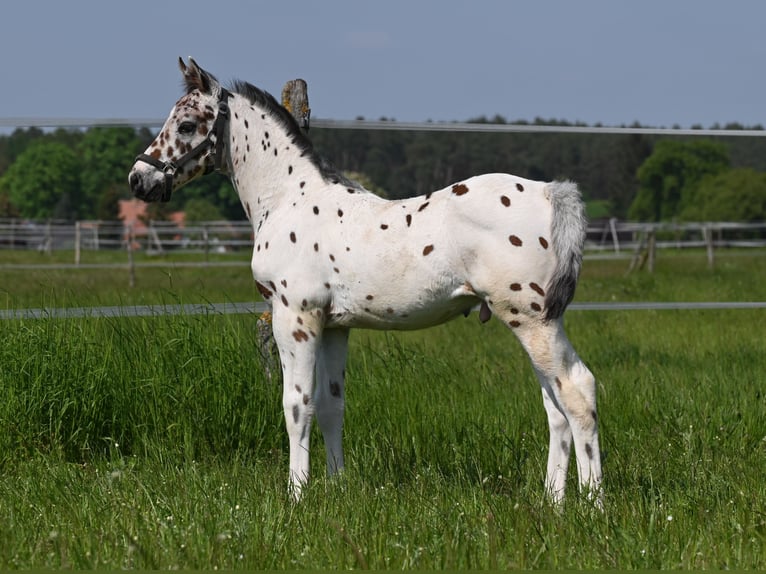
x,y
48,238
652,248
295,98
131,265
615,239
205,238
76,242
707,232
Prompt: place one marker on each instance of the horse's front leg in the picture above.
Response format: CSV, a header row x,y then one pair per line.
x,y
298,337
329,395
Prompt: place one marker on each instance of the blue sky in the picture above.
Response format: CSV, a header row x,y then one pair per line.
x,y
658,62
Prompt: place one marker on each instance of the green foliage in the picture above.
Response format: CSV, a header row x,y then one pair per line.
x,y
669,177
44,181
106,157
405,163
734,195
200,209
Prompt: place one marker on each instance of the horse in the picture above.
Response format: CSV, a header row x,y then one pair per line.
x,y
331,256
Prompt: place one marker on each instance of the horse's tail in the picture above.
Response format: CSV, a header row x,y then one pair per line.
x,y
568,228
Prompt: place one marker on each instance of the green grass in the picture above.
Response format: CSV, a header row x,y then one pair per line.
x,y
156,443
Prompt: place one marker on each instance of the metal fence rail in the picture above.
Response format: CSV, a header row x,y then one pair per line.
x,y
257,307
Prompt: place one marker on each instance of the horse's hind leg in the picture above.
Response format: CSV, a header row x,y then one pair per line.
x,y
569,396
329,394
559,447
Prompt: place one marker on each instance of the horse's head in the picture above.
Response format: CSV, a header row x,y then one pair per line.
x,y
191,141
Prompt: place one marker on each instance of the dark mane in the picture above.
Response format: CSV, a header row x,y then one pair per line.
x,y
268,103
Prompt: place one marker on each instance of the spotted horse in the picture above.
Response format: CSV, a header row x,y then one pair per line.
x,y
331,256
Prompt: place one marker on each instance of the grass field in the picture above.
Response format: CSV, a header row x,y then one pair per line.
x,y
156,442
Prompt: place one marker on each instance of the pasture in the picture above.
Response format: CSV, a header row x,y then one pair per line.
x,y
156,443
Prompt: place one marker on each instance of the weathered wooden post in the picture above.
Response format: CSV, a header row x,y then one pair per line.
x,y
295,98
652,248
131,265
76,242
707,233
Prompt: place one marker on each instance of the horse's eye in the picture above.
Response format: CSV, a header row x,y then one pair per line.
x,y
187,128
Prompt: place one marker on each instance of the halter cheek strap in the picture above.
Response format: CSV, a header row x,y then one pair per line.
x,y
170,168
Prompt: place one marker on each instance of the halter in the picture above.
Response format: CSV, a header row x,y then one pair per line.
x,y
170,168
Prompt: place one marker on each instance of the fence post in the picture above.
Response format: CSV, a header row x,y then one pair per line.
x,y
652,248
707,232
615,239
207,243
131,266
76,242
48,239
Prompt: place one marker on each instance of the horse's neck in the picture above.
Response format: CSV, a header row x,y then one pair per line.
x,y
265,165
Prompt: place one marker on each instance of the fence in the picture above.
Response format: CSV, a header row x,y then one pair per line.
x,y
639,240
156,237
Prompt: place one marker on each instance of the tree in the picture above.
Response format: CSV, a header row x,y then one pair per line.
x,y
106,154
670,175
734,195
200,209
43,182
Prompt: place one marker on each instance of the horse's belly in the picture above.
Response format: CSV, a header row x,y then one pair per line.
x,y
414,316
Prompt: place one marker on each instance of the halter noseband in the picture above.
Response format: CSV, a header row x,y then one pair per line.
x,y
169,168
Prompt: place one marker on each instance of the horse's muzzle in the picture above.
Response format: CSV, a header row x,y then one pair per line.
x,y
149,193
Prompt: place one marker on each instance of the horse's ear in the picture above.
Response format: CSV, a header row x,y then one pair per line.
x,y
195,78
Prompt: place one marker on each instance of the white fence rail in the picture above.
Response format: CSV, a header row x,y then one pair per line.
x,y
154,237
641,240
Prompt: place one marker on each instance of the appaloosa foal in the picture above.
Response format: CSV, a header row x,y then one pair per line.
x,y
331,256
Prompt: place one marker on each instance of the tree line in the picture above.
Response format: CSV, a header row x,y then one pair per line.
x,y
81,174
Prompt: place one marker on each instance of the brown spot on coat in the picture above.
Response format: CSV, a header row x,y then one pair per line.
x,y
306,399
543,242
316,210
459,189
505,200
514,239
428,249
409,219
515,286
284,301
535,306
537,289
263,290
514,324
383,226
519,187
422,207
340,213
300,335
292,236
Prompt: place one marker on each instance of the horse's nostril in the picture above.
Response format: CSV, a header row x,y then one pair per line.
x,y
136,184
